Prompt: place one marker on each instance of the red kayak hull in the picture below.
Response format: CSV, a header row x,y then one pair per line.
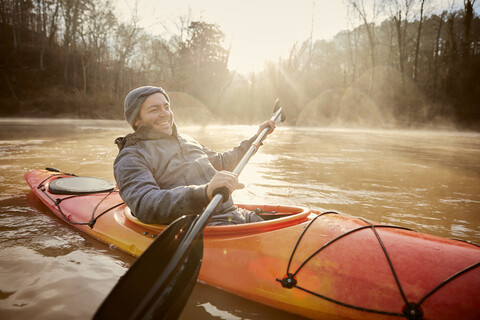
x,y
344,267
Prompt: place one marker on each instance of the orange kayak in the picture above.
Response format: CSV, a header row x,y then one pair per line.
x,y
318,265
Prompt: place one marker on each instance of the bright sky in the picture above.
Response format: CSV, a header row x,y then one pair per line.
x,y
257,30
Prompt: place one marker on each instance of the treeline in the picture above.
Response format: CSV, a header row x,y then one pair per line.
x,y
402,63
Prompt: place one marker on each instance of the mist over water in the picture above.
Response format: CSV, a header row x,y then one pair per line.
x,y
395,102
425,180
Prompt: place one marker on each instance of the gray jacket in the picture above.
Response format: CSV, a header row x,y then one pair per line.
x,y
163,177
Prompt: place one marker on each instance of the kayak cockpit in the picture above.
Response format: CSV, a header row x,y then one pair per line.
x,y
275,217
67,185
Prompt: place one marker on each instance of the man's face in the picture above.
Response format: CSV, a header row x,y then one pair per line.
x,y
155,113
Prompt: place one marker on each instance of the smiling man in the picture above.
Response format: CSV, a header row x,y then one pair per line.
x,y
163,175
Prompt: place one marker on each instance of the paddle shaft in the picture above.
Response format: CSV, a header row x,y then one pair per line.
x,y
217,198
201,222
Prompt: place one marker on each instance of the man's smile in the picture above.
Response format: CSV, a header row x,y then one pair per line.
x,y
164,123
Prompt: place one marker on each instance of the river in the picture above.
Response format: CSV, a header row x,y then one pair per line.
x,y
428,181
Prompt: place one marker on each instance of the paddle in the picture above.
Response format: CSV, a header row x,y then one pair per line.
x,y
160,281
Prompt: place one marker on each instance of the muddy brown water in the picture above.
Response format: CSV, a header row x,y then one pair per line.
x,y
428,181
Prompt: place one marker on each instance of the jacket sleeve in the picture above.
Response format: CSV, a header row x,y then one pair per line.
x,y
148,202
228,160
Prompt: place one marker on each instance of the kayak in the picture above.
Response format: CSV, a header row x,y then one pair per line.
x,y
320,265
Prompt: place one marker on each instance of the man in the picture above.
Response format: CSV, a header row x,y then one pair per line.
x,y
163,175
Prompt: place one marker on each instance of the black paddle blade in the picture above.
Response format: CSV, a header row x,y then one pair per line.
x,y
151,289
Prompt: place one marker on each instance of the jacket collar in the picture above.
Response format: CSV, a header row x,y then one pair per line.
x,y
143,134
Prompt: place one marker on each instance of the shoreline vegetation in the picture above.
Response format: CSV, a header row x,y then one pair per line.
x,y
418,67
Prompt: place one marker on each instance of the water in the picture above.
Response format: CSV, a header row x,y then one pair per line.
x,y
427,181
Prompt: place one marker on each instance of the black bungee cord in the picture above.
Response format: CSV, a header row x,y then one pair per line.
x,y
411,311
57,202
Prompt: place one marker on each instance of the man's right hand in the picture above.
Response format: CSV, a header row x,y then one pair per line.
x,y
225,179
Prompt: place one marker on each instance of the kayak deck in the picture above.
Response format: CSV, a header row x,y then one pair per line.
x,y
319,265
276,217
99,211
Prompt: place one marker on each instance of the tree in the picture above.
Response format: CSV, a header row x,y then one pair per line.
x,y
127,37
467,23
409,61
401,23
368,12
204,63
71,14
417,44
436,53
94,33
47,13
164,55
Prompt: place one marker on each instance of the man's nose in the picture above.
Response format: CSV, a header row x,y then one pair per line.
x,y
163,112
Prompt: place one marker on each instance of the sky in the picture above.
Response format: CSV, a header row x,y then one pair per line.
x,y
256,30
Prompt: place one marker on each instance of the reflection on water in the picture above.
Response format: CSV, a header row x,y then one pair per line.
x,y
427,181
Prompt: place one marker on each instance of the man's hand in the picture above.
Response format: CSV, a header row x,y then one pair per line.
x,y
225,179
267,124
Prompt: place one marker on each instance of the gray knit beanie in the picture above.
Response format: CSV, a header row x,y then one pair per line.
x,y
135,99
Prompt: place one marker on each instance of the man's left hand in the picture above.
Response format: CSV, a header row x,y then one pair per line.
x,y
267,124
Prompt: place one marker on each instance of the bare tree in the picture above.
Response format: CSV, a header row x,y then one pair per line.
x,y
41,13
353,44
204,61
401,13
417,44
20,12
46,13
441,21
98,20
368,12
467,23
71,13
165,53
